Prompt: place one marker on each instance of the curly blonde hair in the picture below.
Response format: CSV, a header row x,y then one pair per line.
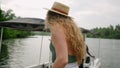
x,y
73,34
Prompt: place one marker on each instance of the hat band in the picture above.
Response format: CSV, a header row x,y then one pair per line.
x,y
60,11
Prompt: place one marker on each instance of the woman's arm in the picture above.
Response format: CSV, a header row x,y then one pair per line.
x,y
60,45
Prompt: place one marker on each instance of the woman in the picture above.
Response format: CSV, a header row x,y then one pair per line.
x,y
67,44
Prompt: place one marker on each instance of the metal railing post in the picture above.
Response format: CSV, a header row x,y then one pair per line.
x,y
41,49
1,39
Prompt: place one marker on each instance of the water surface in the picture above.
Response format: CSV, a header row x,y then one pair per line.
x,y
20,53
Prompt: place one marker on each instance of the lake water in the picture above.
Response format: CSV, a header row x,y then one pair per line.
x,y
20,53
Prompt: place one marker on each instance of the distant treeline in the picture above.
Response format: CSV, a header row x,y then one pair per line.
x,y
10,33
108,32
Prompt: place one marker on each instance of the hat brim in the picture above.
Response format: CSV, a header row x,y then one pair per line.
x,y
57,12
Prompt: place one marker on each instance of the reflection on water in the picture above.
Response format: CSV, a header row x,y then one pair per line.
x,y
26,52
108,50
19,53
4,56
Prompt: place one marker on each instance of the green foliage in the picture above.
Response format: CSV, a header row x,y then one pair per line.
x,y
108,32
8,15
10,33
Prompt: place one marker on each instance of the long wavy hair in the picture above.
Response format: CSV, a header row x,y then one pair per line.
x,y
73,34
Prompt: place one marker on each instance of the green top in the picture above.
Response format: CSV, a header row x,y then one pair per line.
x,y
71,59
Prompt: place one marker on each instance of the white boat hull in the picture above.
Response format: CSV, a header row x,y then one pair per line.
x,y
95,63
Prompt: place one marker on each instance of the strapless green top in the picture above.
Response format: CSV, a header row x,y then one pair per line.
x,y
71,59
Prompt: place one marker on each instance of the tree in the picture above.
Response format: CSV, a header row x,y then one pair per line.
x,y
108,32
9,33
8,15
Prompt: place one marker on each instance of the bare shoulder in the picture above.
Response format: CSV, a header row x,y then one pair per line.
x,y
57,29
58,34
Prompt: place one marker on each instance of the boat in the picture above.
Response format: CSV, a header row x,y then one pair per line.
x,y
37,24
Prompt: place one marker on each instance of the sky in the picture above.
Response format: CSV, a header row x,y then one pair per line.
x,y
86,13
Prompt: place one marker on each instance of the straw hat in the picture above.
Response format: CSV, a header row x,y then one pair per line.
x,y
59,8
